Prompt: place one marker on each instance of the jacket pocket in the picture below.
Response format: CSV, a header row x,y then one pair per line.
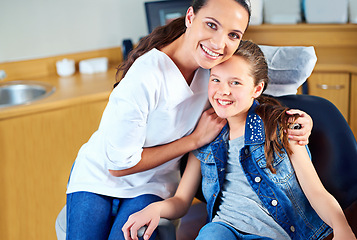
x,y
208,170
281,163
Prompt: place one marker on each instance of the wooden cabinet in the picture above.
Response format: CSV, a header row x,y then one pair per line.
x,y
333,86
39,142
335,74
37,152
353,106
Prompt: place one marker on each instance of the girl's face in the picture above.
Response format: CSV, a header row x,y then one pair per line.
x,y
214,33
231,89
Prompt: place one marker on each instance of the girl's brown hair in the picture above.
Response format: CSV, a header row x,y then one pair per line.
x,y
273,113
163,36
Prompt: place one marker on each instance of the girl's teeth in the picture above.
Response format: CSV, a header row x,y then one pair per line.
x,y
209,52
224,102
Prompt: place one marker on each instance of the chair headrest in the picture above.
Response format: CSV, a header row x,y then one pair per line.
x,y
288,68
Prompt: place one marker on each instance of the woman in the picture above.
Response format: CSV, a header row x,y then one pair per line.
x,y
257,184
132,159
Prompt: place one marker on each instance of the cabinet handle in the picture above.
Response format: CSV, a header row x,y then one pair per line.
x,y
334,87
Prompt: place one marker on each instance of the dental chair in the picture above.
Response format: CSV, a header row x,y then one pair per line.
x,y
334,154
333,149
332,144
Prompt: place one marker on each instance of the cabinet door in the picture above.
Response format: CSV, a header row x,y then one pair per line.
x,y
353,106
334,87
37,152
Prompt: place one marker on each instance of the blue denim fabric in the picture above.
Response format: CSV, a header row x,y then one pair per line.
x,y
220,230
93,216
280,193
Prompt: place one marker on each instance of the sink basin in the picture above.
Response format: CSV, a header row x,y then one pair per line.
x,y
14,93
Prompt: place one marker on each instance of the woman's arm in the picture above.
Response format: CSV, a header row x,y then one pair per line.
x,y
323,202
207,129
301,135
171,208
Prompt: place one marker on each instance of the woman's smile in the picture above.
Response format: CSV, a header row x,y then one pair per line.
x,y
210,53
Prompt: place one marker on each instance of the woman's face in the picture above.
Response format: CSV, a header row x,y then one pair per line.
x,y
231,89
214,32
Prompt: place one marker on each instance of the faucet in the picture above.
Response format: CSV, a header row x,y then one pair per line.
x,y
2,75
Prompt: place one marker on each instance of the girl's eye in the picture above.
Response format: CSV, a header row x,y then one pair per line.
x,y
235,83
234,36
215,80
212,25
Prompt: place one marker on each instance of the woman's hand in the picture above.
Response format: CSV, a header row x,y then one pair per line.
x,y
149,217
207,129
301,135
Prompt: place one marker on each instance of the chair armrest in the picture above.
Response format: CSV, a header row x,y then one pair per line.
x,y
166,229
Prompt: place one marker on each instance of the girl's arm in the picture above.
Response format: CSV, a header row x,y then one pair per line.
x,y
207,129
171,208
323,202
301,135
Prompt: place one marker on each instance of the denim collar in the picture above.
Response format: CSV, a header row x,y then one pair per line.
x,y
254,128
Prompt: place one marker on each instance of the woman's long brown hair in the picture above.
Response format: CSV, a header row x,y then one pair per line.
x,y
273,113
159,38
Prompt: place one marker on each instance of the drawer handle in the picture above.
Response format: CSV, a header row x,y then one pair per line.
x,y
334,87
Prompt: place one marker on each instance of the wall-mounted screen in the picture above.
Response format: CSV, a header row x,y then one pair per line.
x,y
159,13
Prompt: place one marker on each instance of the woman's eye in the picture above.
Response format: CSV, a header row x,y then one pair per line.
x,y
234,35
215,80
212,25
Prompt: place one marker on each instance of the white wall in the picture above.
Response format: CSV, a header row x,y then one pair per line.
x,y
32,29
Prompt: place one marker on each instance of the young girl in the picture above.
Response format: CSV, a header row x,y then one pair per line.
x,y
132,159
257,184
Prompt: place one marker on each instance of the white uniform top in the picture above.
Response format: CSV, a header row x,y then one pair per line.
x,y
152,105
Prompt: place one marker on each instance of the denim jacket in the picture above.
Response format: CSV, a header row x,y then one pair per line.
x,y
280,193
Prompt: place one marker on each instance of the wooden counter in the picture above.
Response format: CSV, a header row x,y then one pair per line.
x,y
39,143
72,90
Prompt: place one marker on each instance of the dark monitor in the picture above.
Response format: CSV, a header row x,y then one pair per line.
x,y
159,13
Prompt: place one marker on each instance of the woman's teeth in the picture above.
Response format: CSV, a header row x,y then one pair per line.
x,y
209,52
223,102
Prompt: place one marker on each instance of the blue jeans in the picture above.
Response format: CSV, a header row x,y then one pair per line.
x,y
93,216
220,230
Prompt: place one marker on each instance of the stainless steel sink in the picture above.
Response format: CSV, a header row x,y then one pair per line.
x,y
14,93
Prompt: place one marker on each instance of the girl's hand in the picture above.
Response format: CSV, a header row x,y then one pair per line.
x,y
207,129
149,217
301,135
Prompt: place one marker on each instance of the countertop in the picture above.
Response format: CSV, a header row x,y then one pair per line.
x,y
333,67
72,90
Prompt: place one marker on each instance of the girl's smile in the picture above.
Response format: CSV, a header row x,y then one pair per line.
x,y
224,102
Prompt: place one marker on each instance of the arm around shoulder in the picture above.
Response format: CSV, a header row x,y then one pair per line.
x,y
207,129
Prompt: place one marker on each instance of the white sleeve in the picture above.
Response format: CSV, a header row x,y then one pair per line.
x,y
124,120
